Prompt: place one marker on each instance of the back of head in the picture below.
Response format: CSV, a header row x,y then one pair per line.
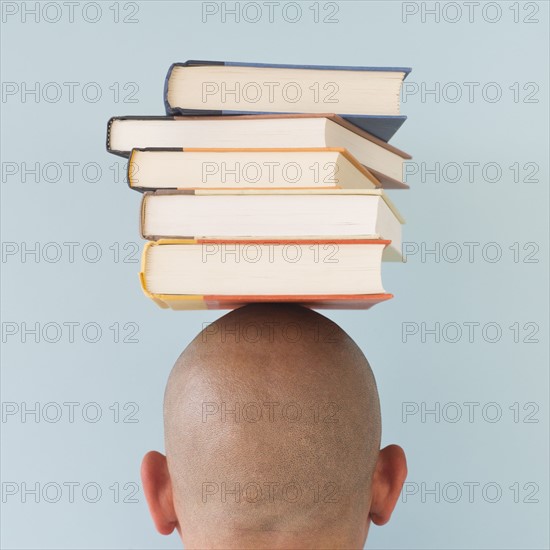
x,y
272,428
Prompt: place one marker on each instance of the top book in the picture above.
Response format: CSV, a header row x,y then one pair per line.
x,y
366,96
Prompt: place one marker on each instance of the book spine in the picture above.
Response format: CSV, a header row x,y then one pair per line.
x,y
130,170
108,140
142,210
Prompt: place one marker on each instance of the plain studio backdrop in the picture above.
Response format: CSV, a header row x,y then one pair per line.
x,y
460,353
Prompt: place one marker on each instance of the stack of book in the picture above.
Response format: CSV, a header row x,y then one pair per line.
x,y
255,191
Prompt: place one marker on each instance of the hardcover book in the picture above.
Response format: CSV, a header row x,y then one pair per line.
x,y
366,96
315,168
223,274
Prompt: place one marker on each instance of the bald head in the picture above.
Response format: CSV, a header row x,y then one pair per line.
x,y
272,432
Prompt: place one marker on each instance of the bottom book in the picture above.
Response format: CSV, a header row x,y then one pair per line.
x,y
226,274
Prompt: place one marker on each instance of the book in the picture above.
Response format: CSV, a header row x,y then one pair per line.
x,y
216,274
260,214
316,168
384,161
367,96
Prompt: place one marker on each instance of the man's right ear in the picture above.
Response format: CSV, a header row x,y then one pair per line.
x,y
389,475
157,487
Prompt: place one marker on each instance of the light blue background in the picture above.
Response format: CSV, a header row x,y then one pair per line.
x,y
368,33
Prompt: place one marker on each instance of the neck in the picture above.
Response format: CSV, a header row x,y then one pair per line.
x,y
274,540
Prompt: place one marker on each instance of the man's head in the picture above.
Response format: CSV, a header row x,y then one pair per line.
x,y
272,433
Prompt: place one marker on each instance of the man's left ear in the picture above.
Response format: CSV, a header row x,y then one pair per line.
x,y
389,475
157,487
